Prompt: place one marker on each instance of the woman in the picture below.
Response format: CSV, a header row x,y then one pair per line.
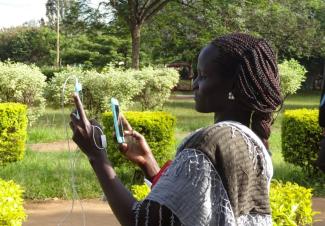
x,y
221,174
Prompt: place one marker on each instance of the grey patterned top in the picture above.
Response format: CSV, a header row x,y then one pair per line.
x,y
192,190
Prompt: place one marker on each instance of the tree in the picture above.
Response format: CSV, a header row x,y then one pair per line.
x,y
28,45
136,13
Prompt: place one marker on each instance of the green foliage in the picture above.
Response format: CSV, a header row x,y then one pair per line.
x,y
292,74
23,84
158,84
94,51
291,204
300,137
46,175
28,45
12,212
140,192
54,89
13,133
157,127
97,88
299,19
150,87
49,71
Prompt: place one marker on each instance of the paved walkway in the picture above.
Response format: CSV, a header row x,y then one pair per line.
x,y
97,213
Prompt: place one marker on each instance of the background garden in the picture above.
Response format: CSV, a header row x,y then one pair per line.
x,y
101,49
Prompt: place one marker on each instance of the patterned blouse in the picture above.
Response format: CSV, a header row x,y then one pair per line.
x,y
191,193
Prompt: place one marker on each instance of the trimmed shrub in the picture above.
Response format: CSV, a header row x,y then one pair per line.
x,y
292,75
12,212
158,84
157,127
300,137
291,204
13,133
24,84
140,192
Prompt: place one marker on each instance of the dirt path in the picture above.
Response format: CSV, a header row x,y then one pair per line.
x,y
319,205
53,146
57,213
97,213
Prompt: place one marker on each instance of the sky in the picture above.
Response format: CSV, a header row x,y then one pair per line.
x,y
17,12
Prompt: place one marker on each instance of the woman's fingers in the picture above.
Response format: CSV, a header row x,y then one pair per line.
x,y
133,134
123,147
80,109
74,117
125,122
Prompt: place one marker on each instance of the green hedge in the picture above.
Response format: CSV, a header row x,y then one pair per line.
x,y
300,137
13,124
157,127
291,204
11,204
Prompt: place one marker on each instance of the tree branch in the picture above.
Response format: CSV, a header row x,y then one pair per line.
x,y
152,8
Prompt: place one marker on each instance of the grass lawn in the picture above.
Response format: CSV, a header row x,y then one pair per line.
x,y
50,127
48,175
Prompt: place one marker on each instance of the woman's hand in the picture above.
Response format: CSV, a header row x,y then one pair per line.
x,y
137,150
86,133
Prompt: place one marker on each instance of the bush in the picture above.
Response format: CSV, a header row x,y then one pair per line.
x,y
158,84
54,89
291,204
11,204
115,83
97,88
23,84
13,123
140,192
157,127
49,71
300,137
292,75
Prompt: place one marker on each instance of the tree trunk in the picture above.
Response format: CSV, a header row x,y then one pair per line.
x,y
135,34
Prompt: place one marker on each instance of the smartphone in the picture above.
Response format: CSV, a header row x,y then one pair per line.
x,y
117,121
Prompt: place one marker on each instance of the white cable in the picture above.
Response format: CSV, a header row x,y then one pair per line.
x,y
103,138
72,161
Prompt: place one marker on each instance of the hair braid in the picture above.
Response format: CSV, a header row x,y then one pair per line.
x,y
257,86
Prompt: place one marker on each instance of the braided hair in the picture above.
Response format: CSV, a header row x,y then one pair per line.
x,y
257,82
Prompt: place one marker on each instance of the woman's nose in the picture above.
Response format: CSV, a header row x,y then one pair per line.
x,y
195,84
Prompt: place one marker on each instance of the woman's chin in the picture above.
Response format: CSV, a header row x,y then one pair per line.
x,y
201,109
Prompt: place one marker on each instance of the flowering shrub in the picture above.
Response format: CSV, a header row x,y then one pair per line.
x,y
150,87
292,74
97,88
158,84
24,84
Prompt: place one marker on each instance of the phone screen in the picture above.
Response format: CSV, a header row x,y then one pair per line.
x,y
119,122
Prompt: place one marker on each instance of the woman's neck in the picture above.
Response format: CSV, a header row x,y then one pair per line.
x,y
238,115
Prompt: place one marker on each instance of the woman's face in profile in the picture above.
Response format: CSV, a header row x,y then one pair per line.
x,y
211,87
